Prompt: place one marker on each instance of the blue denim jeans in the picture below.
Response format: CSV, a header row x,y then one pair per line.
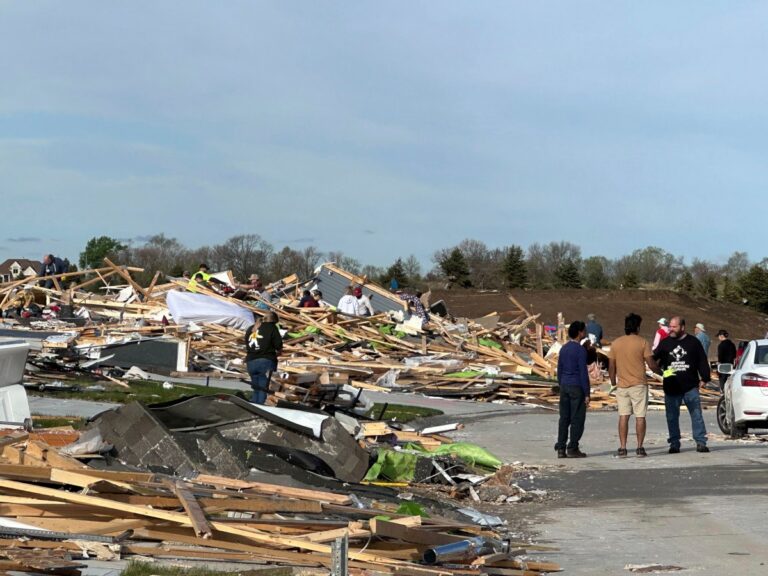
x,y
260,370
573,413
692,401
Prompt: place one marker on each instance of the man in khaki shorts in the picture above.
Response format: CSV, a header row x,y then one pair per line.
x,y
627,358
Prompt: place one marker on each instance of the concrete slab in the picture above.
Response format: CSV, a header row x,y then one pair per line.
x,y
52,406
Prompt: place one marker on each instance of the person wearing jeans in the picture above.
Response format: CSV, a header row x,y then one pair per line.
x,y
573,379
683,364
692,402
260,370
262,343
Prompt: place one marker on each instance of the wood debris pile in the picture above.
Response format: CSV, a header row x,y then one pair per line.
x,y
65,511
483,359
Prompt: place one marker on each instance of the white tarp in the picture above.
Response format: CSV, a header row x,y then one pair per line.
x,y
188,307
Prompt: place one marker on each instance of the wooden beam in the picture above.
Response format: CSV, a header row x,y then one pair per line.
x,y
193,510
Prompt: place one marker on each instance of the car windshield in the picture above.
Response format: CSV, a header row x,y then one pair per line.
x,y
761,354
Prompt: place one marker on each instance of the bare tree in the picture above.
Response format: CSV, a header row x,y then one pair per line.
x,y
412,269
244,254
346,262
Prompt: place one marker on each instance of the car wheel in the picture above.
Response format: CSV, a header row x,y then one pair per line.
x,y
737,430
722,417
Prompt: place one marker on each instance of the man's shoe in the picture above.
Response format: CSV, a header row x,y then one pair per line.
x,y
674,449
701,448
575,453
561,454
621,453
640,452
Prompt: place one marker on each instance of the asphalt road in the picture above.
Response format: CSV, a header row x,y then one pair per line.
x,y
705,513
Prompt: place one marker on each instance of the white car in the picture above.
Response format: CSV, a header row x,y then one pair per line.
x,y
744,403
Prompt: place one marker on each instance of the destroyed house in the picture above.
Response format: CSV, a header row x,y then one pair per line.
x,y
332,281
13,269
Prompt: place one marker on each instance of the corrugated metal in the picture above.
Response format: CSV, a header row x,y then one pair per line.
x,y
333,283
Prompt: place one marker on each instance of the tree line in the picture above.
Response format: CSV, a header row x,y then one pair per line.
x,y
469,264
561,265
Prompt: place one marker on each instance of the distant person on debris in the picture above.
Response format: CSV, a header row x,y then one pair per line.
x,y
593,366
594,330
726,354
253,284
203,278
574,393
684,366
307,300
52,265
416,306
703,337
626,369
263,344
348,303
318,296
363,303
394,286
661,333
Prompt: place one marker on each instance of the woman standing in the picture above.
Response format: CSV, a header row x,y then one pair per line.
x,y
263,343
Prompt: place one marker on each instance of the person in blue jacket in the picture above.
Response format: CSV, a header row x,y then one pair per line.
x,y
573,378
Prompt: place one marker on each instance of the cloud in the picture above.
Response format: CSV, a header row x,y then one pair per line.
x,y
24,239
306,240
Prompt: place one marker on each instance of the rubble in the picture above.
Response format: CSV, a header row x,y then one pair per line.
x,y
59,511
327,356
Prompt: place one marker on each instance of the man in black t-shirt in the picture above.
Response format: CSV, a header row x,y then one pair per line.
x,y
683,364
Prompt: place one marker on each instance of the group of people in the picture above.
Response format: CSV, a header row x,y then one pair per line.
x,y
355,303
680,358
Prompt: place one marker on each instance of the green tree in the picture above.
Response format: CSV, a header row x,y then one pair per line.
x,y
630,280
514,268
685,283
396,271
754,288
567,275
97,248
730,291
455,268
594,272
707,285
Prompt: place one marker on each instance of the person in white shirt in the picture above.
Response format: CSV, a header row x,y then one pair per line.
x,y
363,303
348,303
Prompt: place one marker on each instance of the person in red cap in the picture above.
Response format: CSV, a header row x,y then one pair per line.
x,y
661,333
363,304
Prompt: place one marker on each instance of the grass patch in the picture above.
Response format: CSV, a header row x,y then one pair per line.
x,y
56,421
146,391
401,412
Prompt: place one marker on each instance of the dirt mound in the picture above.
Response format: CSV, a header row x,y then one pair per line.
x,y
611,306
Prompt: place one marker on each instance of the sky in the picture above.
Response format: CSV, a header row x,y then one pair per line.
x,y
383,129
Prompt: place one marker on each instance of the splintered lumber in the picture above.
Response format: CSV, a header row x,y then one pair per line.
x,y
182,519
261,487
193,510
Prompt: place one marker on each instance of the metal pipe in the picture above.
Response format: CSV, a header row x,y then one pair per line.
x,y
464,550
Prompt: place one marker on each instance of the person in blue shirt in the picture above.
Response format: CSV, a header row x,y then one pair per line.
x,y
594,330
573,378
